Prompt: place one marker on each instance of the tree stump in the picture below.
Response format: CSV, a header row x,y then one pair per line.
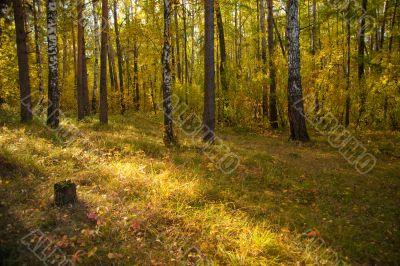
x,y
65,193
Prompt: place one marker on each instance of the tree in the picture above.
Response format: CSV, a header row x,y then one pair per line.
x,y
169,138
361,64
53,94
96,56
178,53
263,59
209,75
37,29
298,129
82,84
347,107
119,55
103,63
224,82
273,113
23,64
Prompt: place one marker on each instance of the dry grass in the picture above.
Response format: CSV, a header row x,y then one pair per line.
x,y
157,206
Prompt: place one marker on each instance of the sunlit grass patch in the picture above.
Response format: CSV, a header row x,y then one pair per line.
x,y
141,203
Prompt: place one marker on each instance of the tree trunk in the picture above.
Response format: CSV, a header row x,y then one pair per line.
x,y
103,63
392,27
36,15
224,82
169,138
64,52
185,57
82,85
119,55
53,96
65,193
75,62
298,129
96,57
273,113
209,75
23,64
178,52
382,37
111,63
136,75
264,59
347,111
278,34
361,67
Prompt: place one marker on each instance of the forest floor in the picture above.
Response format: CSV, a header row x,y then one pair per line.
x,y
141,203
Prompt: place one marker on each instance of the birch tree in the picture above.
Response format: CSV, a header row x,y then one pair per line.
x,y
53,94
298,129
169,138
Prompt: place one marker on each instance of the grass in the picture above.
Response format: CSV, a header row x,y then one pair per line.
x,y
159,206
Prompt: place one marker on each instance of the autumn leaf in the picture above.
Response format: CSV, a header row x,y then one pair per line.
x,y
92,216
135,226
92,252
114,255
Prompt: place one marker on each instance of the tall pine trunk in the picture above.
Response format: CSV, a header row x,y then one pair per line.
x,y
119,55
53,94
103,63
298,129
96,57
209,75
273,113
82,84
23,64
169,138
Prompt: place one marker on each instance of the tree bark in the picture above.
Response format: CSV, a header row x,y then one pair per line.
x,y
361,64
75,62
273,113
298,129
347,107
392,27
119,55
185,57
264,60
178,52
103,63
64,52
23,64
382,31
38,34
82,85
224,82
96,57
136,75
169,138
53,94
278,34
209,75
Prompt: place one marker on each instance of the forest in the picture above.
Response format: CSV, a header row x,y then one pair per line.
x,y
199,132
